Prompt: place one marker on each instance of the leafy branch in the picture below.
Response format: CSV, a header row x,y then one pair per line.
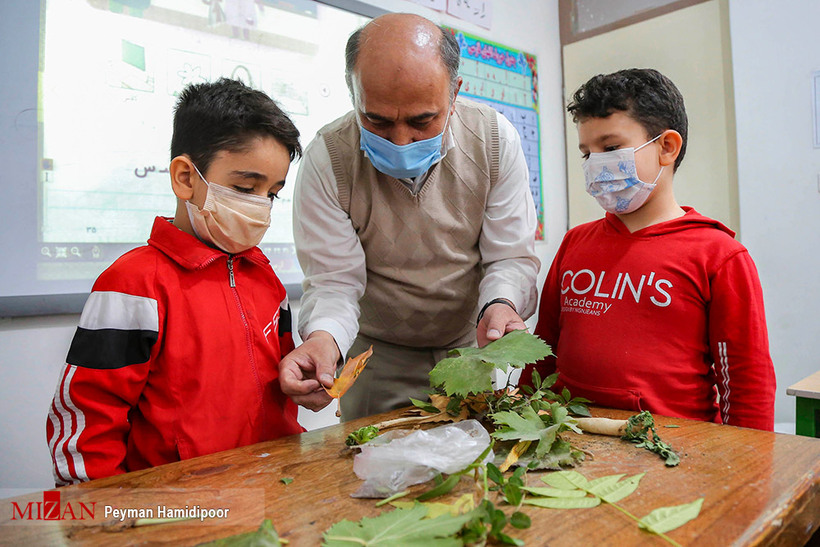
x,y
571,490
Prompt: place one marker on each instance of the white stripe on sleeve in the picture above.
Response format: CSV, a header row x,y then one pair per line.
x,y
68,411
115,310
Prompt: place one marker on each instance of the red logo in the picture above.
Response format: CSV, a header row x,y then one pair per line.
x,y
51,509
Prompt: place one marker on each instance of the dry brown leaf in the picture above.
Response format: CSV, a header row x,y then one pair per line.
x,y
515,453
350,372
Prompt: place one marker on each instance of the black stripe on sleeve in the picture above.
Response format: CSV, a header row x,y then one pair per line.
x,y
110,348
285,321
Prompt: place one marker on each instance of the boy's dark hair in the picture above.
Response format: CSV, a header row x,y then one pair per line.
x,y
644,94
226,115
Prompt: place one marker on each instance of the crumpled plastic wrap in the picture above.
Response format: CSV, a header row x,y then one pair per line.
x,y
397,459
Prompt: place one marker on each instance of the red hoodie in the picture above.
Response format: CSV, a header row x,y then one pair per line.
x,y
662,319
176,356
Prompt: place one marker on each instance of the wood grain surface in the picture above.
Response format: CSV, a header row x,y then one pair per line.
x,y
760,489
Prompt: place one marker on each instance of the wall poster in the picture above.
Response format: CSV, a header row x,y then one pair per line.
x,y
507,80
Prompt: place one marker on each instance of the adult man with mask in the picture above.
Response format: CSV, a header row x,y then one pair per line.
x,y
412,221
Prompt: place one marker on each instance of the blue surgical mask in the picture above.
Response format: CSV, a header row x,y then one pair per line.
x,y
405,161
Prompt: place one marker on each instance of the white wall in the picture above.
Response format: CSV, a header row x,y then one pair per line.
x,y
33,350
775,50
686,45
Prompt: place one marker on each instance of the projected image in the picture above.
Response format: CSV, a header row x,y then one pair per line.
x,y
107,100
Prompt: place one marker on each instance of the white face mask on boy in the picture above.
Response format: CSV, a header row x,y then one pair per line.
x,y
612,179
229,220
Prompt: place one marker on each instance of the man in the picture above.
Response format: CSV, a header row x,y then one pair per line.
x,y
411,214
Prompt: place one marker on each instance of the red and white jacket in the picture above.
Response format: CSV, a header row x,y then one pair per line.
x,y
663,319
176,356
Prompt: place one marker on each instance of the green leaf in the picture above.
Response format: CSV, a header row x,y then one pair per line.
x,y
664,519
554,492
565,395
638,429
286,480
425,406
462,375
513,494
498,520
507,540
518,476
564,503
520,520
559,413
397,528
462,505
454,406
550,380
526,426
565,480
362,435
517,348
547,441
265,536
494,474
614,492
579,409
448,484
601,481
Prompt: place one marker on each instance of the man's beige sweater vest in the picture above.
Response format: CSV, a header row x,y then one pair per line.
x,y
422,255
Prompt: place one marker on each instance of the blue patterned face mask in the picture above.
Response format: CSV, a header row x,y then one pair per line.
x,y
612,179
405,161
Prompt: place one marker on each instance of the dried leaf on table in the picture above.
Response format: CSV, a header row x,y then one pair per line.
x,y
350,372
519,448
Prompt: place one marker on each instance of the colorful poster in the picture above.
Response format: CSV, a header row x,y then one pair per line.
x,y
507,80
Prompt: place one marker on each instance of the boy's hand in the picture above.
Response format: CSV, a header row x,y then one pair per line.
x,y
302,370
498,320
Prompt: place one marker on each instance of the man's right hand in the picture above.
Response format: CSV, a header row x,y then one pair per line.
x,y
304,371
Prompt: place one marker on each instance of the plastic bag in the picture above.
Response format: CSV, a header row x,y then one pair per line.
x,y
397,459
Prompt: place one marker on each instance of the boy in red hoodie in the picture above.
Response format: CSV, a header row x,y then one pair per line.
x,y
178,346
654,307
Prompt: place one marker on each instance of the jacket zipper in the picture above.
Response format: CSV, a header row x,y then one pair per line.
x,y
230,273
248,344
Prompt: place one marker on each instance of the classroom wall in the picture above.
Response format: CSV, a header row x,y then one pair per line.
x,y
775,51
691,47
33,349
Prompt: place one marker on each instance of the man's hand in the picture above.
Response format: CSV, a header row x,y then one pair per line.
x,y
304,371
498,320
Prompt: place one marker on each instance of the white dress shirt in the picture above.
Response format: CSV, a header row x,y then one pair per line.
x,y
333,260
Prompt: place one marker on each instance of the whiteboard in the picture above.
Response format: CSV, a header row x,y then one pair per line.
x,y
86,113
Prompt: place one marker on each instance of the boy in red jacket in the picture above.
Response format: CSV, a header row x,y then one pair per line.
x,y
654,307
177,350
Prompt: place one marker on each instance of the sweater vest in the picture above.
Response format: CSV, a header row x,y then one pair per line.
x,y
422,256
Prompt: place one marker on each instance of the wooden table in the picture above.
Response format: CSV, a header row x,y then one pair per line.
x,y
807,416
759,488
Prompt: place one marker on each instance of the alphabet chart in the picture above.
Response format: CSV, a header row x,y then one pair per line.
x,y
507,80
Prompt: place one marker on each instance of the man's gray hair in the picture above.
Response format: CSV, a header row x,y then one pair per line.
x,y
449,51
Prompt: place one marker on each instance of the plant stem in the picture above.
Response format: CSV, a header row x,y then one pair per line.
x,y
636,519
395,496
